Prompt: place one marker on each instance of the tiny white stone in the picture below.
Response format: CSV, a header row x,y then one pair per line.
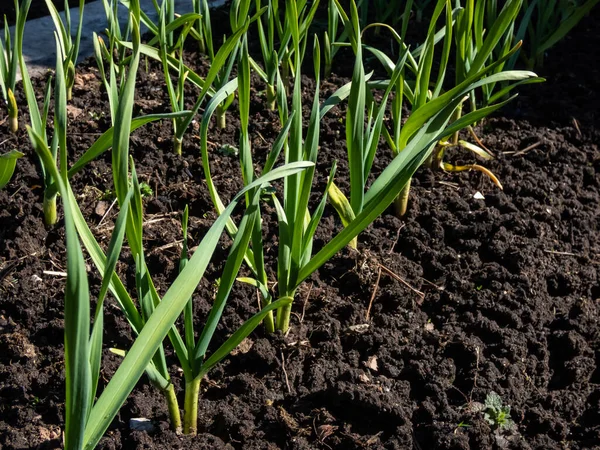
x,y
141,424
478,195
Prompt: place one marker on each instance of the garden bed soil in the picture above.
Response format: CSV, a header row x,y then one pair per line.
x,y
392,346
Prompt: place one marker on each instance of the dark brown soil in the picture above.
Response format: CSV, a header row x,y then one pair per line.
x,y
510,289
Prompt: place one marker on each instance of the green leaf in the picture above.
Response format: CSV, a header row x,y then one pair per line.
x,y
77,318
8,162
114,250
566,26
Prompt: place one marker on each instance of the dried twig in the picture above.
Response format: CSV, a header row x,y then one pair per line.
x,y
554,252
576,125
306,302
54,273
397,238
525,150
477,352
106,213
287,380
404,282
167,246
373,294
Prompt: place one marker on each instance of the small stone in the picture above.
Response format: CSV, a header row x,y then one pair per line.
x,y
141,424
360,328
101,208
371,363
363,377
243,347
35,278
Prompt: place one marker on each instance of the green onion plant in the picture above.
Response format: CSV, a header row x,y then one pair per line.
x,y
297,222
330,37
361,143
176,91
191,354
484,35
238,17
425,91
275,41
39,118
544,23
267,34
202,32
69,46
88,417
9,62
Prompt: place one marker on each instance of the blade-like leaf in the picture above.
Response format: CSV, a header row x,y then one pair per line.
x,y
8,162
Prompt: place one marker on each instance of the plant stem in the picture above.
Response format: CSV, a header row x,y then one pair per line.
x,y
70,79
177,144
285,73
283,318
173,406
271,97
419,17
13,111
401,202
190,411
221,123
268,321
49,205
457,115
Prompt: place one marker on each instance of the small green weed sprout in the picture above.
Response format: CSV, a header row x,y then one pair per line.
x,y
495,413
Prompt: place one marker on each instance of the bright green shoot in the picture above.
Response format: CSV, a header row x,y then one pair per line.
x,y
330,36
203,30
177,91
267,34
69,46
361,143
9,62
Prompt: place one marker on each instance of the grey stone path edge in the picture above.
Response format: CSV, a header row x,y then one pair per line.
x,y
39,47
